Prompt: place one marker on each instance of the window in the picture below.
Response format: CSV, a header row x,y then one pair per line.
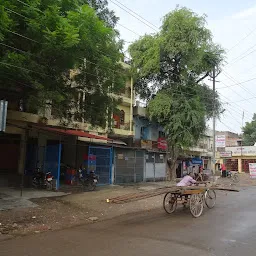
x,y
142,132
161,134
122,114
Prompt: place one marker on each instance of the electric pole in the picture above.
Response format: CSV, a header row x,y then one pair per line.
x,y
214,117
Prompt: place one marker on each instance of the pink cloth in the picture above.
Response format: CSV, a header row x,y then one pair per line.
x,y
186,181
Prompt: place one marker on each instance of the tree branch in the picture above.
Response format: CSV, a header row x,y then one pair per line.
x,y
202,78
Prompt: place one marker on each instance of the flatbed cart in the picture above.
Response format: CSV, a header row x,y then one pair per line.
x,y
195,197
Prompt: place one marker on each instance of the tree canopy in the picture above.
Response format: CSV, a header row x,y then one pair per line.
x,y
170,68
249,132
42,40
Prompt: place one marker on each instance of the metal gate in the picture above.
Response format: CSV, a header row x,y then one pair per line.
x,y
129,166
52,161
103,163
155,166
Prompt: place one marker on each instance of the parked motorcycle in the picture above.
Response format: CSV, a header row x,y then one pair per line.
x,y
89,181
42,180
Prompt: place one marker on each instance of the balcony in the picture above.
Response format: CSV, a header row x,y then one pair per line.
x,y
22,116
139,111
126,100
123,129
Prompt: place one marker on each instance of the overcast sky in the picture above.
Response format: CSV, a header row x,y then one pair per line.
x,y
233,25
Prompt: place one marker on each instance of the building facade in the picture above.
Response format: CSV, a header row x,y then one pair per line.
x,y
150,136
34,140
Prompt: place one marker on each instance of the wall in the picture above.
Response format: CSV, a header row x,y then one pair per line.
x,y
244,151
152,131
126,111
69,151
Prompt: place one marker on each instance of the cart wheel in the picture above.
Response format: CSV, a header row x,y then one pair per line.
x,y
170,203
210,198
235,178
196,205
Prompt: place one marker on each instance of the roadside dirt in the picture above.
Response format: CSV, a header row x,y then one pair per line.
x,y
81,208
51,214
76,209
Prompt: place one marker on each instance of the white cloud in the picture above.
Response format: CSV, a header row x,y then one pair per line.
x,y
247,13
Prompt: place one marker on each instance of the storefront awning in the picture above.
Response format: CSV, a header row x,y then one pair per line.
x,y
83,136
69,132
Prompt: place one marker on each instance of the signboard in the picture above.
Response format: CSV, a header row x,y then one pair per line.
x,y
226,154
147,144
120,156
242,151
197,161
252,170
3,114
162,144
220,141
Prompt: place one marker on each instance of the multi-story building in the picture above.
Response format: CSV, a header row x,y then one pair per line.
x,y
151,137
38,139
232,152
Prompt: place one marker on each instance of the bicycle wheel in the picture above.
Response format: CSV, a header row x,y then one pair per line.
x,y
235,178
170,202
210,198
196,205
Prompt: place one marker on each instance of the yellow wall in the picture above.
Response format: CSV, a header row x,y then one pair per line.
x,y
126,111
239,158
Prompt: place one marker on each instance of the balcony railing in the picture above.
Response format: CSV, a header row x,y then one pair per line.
x,y
125,126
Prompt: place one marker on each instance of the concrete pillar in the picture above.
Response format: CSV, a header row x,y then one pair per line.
x,y
240,167
23,151
70,152
42,142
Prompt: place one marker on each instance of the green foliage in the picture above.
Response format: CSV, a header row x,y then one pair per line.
x,y
42,40
183,120
249,132
170,67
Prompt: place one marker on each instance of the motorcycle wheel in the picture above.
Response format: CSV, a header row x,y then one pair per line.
x,y
91,186
34,184
49,186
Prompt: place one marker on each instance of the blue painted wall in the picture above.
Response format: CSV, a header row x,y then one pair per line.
x,y
151,130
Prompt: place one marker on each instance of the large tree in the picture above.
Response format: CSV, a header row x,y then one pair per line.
x,y
170,68
42,40
249,132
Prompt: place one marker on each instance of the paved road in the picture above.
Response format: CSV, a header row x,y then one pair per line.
x,y
228,229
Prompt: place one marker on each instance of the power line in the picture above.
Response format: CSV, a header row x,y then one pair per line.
x,y
241,56
251,32
230,129
41,43
129,29
234,103
30,6
234,118
11,65
38,42
228,86
9,10
17,34
175,91
131,13
234,80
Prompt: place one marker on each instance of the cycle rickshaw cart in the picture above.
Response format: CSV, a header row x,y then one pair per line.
x,y
195,197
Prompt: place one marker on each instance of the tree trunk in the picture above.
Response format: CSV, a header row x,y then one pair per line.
x,y
172,162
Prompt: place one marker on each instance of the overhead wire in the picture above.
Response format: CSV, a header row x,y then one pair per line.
x,y
131,13
227,86
230,129
241,56
239,84
135,13
87,60
250,33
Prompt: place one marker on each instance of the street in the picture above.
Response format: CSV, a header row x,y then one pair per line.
x,y
228,229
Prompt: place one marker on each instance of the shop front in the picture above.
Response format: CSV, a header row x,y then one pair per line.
x,y
237,158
